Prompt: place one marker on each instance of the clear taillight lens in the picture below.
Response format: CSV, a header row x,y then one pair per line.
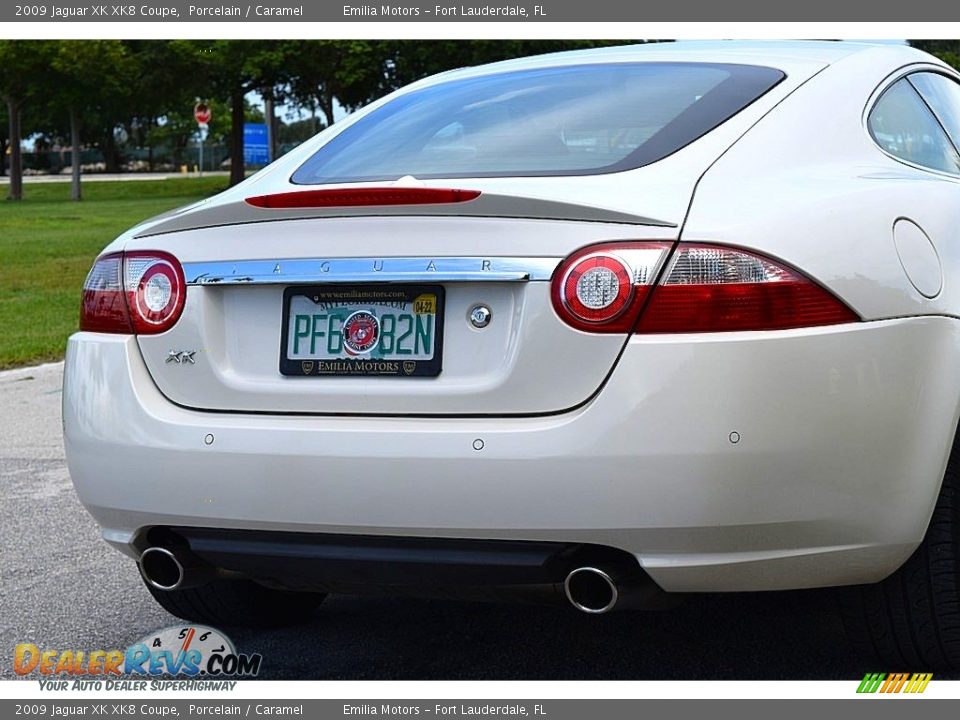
x,y
704,288
140,292
602,288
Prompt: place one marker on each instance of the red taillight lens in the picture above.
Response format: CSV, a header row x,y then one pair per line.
x,y
708,288
140,292
359,197
705,288
602,288
104,306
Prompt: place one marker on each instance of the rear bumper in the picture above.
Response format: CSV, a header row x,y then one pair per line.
x,y
843,438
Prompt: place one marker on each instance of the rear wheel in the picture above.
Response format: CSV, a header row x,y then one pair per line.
x,y
238,603
911,620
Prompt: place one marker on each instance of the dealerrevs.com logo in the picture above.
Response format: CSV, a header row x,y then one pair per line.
x,y
191,651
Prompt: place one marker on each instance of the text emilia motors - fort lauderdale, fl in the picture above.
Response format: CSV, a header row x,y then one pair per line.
x,y
445,11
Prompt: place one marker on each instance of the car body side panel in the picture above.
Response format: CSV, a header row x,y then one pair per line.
x,y
808,185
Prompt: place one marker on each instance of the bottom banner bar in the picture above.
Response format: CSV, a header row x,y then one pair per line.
x,y
618,709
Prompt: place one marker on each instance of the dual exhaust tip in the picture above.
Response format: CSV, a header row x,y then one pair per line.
x,y
166,570
589,589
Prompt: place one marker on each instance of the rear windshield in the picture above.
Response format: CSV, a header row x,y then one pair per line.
x,y
574,120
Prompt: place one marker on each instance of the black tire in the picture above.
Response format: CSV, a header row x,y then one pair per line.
x,y
244,603
911,620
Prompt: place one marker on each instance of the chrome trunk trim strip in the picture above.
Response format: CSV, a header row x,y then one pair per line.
x,y
358,269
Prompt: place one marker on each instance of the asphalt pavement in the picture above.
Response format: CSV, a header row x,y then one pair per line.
x,y
62,588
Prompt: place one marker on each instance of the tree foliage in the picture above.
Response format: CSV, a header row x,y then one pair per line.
x,y
946,50
22,63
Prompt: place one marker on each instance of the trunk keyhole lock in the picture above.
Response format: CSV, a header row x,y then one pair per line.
x,y
480,316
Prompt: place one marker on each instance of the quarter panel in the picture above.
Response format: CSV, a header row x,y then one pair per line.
x,y
809,186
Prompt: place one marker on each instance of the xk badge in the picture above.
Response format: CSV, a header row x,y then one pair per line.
x,y
181,357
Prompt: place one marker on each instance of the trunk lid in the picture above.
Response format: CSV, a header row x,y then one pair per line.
x,y
526,360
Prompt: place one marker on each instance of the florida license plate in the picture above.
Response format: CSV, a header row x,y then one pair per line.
x,y
358,330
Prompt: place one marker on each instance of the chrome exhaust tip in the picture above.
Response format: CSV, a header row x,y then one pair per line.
x,y
161,568
591,590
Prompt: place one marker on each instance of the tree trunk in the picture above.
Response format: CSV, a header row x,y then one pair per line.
x,y
326,105
15,191
111,153
74,155
236,136
3,157
271,128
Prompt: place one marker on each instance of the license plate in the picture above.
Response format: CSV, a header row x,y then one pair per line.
x,y
360,330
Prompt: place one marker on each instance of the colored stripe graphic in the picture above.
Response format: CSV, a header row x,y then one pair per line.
x,y
894,683
871,682
919,682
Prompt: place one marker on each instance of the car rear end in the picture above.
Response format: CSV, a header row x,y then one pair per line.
x,y
462,340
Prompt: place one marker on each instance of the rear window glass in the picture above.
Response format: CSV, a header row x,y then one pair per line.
x,y
575,120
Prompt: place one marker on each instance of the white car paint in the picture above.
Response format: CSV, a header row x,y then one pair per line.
x,y
722,462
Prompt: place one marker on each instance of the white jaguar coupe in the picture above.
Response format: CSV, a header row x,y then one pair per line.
x,y
597,327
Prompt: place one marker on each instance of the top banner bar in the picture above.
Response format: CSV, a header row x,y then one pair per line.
x,y
169,11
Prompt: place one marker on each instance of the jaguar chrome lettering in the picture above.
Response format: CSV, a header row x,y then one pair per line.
x,y
379,264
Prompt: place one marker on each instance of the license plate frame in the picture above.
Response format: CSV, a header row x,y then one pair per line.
x,y
360,366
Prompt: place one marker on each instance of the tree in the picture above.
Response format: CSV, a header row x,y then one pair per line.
x,y
90,77
23,63
946,50
159,109
4,139
230,69
324,72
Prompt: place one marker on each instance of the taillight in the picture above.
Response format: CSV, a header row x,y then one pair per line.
x,y
710,288
140,292
602,288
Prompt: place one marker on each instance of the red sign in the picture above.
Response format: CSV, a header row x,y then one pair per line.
x,y
201,111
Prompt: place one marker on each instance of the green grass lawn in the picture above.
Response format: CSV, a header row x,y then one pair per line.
x,y
47,244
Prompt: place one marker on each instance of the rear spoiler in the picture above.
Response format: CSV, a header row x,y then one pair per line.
x,y
285,206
